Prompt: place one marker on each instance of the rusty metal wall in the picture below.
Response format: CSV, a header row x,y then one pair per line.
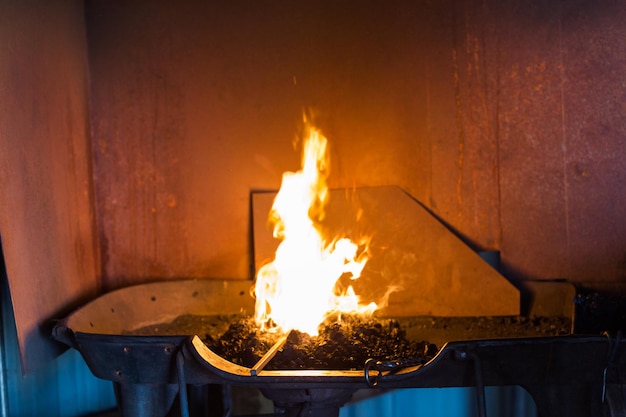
x,y
561,140
505,118
46,206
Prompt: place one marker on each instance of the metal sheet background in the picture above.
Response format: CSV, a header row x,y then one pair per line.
x,y
505,118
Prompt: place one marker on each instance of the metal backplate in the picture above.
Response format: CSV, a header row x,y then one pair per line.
x,y
430,269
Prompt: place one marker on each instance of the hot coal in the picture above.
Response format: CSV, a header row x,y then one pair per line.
x,y
344,344
348,343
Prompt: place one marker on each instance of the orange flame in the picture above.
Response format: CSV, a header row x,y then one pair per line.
x,y
297,290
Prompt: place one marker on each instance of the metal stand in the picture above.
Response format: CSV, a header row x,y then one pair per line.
x,y
145,400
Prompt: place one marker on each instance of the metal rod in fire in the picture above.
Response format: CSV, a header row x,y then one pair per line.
x,y
258,367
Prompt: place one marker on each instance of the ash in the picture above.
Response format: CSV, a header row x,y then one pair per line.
x,y
341,344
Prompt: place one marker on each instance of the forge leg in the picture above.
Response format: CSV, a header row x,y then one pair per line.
x,y
145,400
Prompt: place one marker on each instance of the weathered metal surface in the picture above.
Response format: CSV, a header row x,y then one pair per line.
x,y
136,306
46,206
561,159
432,270
505,118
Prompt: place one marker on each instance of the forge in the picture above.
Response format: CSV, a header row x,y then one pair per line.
x,y
477,144
482,339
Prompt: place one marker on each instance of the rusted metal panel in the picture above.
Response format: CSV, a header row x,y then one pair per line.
x,y
46,215
594,98
503,117
561,149
532,209
197,117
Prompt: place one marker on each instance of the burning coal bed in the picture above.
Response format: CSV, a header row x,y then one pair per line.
x,y
349,342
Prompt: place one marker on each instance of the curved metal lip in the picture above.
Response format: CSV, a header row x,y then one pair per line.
x,y
453,353
137,305
224,369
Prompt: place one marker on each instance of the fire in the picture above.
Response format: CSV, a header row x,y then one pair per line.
x,y
298,289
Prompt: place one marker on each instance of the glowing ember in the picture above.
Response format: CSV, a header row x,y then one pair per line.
x,y
298,290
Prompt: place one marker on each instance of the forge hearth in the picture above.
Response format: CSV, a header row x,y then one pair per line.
x,y
150,367
348,344
461,318
341,344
